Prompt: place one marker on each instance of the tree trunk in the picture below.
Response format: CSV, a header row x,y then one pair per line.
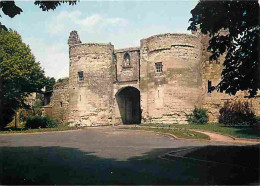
x,y
15,120
1,103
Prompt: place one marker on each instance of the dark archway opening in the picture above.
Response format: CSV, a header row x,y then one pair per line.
x,y
128,100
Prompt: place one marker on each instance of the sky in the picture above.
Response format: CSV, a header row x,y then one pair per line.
x,y
123,23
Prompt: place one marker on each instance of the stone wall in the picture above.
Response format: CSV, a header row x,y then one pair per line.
x,y
211,72
127,71
60,100
31,99
127,75
47,111
91,99
168,96
98,74
256,104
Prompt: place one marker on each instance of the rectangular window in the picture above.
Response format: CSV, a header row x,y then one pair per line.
x,y
158,67
81,76
209,87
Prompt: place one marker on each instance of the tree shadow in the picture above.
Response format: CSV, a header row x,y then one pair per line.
x,y
62,165
247,131
13,129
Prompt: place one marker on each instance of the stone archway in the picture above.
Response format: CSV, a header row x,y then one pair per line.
x,y
128,100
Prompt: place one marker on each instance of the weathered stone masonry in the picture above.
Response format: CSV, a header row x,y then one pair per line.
x,y
60,100
161,81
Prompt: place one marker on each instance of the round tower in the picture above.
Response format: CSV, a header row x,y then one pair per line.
x,y
91,79
170,77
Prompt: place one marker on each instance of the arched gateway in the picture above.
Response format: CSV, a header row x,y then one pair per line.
x,y
105,83
128,100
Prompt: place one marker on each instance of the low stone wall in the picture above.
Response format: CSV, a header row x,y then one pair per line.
x,y
47,111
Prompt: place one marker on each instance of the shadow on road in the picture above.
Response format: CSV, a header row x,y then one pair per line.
x,y
198,165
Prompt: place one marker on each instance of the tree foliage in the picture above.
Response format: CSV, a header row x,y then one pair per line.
x,y
20,74
238,113
52,5
49,83
241,20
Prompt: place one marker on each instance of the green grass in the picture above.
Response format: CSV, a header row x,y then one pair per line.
x,y
238,132
24,130
178,132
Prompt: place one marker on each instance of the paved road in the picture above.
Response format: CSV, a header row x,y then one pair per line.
x,y
115,156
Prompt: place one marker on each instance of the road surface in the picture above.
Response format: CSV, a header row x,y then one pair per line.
x,y
116,156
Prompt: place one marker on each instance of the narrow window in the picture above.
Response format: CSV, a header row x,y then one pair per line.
x,y
60,103
209,86
126,60
158,67
81,76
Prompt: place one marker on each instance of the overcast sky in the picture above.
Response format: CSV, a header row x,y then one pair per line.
x,y
123,24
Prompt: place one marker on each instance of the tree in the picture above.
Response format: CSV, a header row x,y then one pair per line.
x,y
241,20
49,83
20,74
11,9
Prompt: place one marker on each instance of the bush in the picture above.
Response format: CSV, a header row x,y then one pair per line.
x,y
34,122
238,113
257,118
25,114
198,116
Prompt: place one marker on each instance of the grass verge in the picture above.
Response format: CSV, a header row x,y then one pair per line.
x,y
238,132
178,132
24,130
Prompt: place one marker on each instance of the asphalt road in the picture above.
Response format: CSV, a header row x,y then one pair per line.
x,y
115,156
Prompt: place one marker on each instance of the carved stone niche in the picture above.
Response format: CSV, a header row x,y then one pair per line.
x,y
127,61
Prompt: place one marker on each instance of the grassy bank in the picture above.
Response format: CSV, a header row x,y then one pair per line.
x,y
178,132
24,130
238,132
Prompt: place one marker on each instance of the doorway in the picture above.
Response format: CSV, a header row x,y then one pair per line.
x,y
128,100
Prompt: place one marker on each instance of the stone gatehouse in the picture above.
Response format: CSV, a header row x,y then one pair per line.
x,y
161,81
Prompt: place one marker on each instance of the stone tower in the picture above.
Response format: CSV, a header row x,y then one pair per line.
x,y
90,82
170,79
74,38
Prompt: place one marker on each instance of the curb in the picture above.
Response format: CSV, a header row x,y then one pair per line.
x,y
168,135
232,137
161,133
213,133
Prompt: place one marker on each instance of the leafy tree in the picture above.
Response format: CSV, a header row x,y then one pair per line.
x,y
59,80
11,9
241,20
20,74
49,82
